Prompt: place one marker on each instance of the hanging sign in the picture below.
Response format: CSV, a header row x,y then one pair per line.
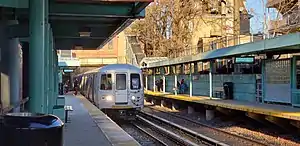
x,y
248,60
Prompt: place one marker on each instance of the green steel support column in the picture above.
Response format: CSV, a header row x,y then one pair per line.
x,y
263,78
56,81
211,69
46,67
163,73
47,42
51,78
154,90
14,69
175,82
294,81
56,69
191,80
146,82
37,58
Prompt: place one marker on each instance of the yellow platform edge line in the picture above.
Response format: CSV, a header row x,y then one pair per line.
x,y
213,102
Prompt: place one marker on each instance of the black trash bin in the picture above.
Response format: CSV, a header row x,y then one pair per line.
x,y
28,129
228,90
61,88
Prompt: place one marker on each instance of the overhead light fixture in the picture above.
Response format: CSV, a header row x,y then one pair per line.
x,y
85,34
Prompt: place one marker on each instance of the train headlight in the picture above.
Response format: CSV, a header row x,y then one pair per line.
x,y
109,98
133,98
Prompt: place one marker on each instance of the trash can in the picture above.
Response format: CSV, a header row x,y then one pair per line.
x,y
29,129
61,89
228,90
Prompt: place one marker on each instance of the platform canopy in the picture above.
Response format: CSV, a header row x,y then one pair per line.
x,y
278,45
87,23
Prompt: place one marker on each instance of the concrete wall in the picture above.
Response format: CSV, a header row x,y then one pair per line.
x,y
112,52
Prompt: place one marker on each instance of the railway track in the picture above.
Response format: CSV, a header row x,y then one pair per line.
x,y
176,133
206,130
157,135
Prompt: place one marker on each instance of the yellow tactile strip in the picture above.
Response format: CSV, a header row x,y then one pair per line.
x,y
281,111
115,134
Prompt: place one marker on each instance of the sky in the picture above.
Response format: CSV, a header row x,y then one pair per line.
x,y
256,8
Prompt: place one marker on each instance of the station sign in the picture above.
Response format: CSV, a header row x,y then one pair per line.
x,y
68,70
247,60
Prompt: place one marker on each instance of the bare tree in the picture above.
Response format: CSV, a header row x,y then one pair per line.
x,y
167,27
288,9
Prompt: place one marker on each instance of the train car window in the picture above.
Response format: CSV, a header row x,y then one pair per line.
x,y
121,81
135,82
106,82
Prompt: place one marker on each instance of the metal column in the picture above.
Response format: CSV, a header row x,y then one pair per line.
x,y
191,80
154,83
46,67
146,82
176,80
51,74
37,22
211,79
14,70
164,84
55,71
47,59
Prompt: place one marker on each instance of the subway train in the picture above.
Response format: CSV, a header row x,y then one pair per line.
x,y
116,89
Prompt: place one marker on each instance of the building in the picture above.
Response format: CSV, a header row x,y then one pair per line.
x,y
223,23
113,52
288,20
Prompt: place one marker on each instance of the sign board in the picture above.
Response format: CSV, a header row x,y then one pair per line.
x,y
244,60
68,70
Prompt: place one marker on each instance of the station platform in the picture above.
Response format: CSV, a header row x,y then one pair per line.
x,y
89,126
281,111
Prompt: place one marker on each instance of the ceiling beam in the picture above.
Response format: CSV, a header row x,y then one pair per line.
x,y
14,3
75,9
73,30
70,43
119,29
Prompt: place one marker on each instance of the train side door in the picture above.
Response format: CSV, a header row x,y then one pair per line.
x,y
97,89
93,87
121,88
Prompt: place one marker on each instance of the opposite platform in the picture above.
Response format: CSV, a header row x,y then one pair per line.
x,y
281,111
89,126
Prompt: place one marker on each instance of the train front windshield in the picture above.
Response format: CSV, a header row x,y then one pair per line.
x,y
106,82
135,83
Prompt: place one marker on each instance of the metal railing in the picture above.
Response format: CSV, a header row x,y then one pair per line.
x,y
130,56
213,44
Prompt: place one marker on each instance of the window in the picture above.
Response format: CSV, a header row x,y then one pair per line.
x,y
121,81
106,82
135,82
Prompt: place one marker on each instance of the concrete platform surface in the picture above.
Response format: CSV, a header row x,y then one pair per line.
x,y
281,111
88,126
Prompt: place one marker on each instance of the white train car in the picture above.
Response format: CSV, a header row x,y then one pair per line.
x,y
116,89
